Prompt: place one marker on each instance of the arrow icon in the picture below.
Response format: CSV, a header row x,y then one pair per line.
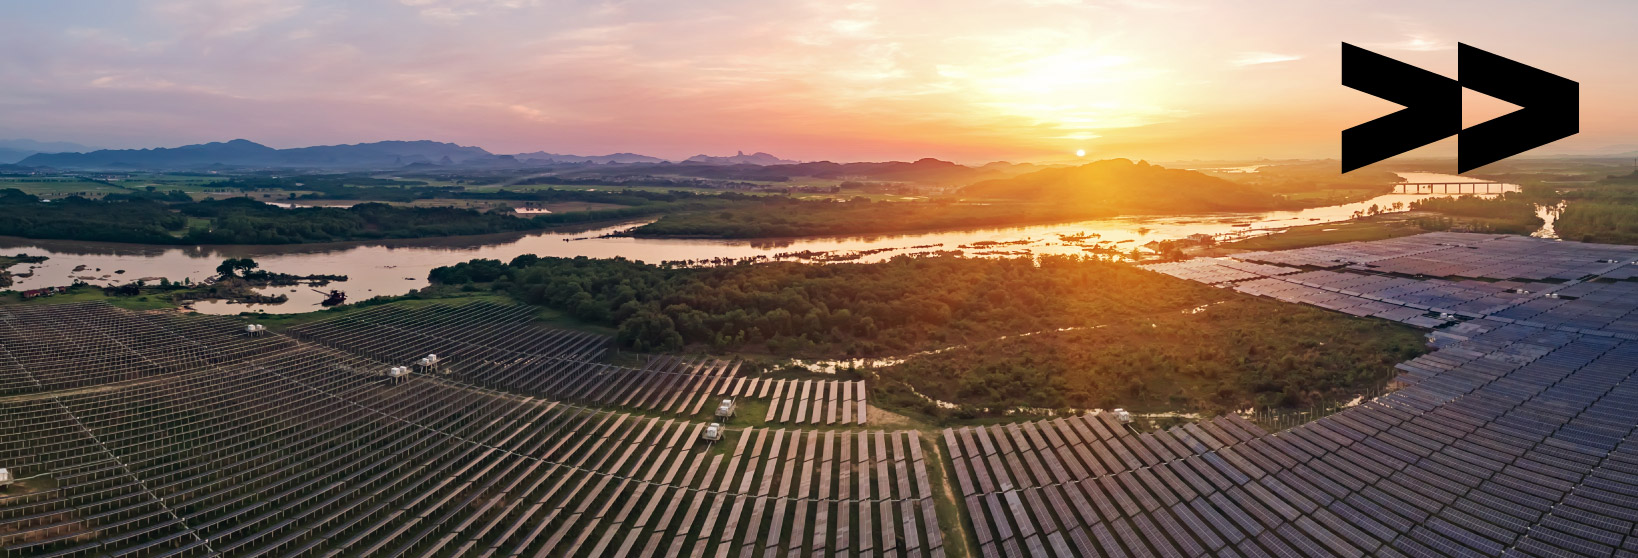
x,y
1551,108
1433,108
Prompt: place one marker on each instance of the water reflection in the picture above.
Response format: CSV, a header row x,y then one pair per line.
x,y
399,266
1549,215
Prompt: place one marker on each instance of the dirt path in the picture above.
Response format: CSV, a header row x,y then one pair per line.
x,y
955,529
877,417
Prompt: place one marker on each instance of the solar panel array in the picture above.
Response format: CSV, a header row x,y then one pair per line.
x,y
1476,256
1522,450
497,346
75,346
302,449
1434,281
812,401
1515,437
1338,255
167,435
1045,488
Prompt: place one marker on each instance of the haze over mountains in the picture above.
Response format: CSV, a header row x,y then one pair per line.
x,y
740,158
621,158
1124,184
241,153
14,150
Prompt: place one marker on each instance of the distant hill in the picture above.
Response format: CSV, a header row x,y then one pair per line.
x,y
1123,185
924,171
740,158
381,154
9,156
245,153
236,152
624,158
14,150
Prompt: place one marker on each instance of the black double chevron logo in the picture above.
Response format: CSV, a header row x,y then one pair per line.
x,y
1551,108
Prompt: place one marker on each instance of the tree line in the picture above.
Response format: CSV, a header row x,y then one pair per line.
x,y
1060,331
151,219
1606,211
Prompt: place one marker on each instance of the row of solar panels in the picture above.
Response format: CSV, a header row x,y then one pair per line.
x,y
306,450
496,346
1593,305
65,346
1527,453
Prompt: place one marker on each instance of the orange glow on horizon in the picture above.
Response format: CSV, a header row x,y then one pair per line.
x,y
974,81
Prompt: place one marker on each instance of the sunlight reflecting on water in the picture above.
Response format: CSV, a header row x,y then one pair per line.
x,y
398,267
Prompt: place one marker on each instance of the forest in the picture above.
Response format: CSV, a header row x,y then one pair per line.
x,y
1120,185
1095,190
366,188
778,216
1292,178
913,304
1504,214
1234,354
153,219
1606,211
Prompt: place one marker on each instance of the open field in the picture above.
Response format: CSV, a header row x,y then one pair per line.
x,y
59,187
146,302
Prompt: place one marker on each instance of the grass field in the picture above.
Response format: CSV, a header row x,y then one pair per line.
x,y
63,186
60,187
89,294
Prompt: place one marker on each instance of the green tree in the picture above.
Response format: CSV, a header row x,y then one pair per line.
x,y
234,267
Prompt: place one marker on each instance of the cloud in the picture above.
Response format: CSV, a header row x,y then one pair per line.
x,y
1417,43
1258,58
149,83
215,18
456,10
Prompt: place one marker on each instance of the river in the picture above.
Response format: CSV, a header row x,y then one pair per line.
x,y
397,267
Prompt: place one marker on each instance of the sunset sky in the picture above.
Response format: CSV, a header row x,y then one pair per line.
x,y
966,80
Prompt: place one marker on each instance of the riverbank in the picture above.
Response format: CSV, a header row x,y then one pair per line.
x,y
6,263
797,219
395,267
1445,214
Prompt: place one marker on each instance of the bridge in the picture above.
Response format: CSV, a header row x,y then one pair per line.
x,y
1452,187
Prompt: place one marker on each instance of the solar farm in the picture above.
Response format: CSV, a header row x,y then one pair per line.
x,y
471,430
172,435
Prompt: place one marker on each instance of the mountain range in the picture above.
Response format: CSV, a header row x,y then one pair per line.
x,y
740,158
242,153
245,153
14,150
620,158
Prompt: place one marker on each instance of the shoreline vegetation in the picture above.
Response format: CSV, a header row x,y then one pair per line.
x,y
7,262
1605,211
1099,190
1506,214
239,210
236,281
173,218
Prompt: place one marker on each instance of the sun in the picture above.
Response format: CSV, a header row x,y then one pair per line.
x,y
1080,152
